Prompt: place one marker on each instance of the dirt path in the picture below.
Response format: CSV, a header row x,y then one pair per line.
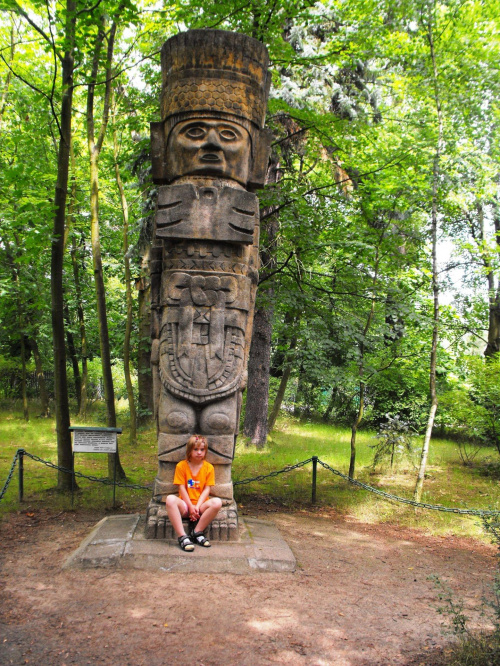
x,y
360,597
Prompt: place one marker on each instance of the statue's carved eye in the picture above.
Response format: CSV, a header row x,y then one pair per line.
x,y
195,133
228,134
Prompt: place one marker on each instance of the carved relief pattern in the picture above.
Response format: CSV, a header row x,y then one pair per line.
x,y
206,94
203,334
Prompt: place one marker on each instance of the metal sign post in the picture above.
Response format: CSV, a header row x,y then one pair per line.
x,y
89,439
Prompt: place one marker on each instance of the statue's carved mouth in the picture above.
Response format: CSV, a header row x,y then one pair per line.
x,y
210,157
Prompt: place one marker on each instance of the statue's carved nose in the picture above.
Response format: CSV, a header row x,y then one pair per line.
x,y
212,141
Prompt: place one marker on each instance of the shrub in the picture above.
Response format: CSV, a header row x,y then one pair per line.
x,y
395,442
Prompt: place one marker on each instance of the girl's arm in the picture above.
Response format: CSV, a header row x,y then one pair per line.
x,y
193,510
205,493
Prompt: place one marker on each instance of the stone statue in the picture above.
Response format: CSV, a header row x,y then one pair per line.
x,y
209,153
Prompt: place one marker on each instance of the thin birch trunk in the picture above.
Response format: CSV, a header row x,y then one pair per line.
x,y
435,283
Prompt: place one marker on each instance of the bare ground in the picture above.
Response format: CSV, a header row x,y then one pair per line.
x,y
361,596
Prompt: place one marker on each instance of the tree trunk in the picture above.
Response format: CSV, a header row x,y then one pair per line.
x,y
21,319
80,380
299,392
435,283
128,286
361,363
354,429
331,404
433,361
82,412
493,345
279,398
255,425
74,358
287,371
257,400
425,452
26,413
42,386
64,449
94,152
145,386
144,375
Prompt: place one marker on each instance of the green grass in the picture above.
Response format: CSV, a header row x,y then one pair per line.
x,y
38,436
448,481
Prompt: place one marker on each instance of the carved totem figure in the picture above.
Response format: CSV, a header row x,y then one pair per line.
x,y
210,152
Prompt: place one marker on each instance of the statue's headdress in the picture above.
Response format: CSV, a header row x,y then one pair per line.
x,y
214,73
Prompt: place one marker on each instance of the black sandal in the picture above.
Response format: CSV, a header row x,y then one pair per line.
x,y
200,539
185,543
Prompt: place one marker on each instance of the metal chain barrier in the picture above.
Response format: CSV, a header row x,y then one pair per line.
x,y
261,477
403,500
288,468
9,476
106,482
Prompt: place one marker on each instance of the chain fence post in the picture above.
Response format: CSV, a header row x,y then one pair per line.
x,y
73,481
114,481
20,455
314,472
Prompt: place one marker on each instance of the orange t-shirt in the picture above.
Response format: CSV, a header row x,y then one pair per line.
x,y
194,484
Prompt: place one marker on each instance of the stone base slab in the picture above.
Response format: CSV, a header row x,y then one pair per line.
x,y
224,527
118,542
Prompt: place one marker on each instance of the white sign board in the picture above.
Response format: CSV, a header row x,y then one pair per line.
x,y
85,441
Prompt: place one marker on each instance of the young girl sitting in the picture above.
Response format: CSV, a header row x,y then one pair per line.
x,y
194,476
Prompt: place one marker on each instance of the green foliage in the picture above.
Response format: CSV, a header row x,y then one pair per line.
x,y
353,111
472,407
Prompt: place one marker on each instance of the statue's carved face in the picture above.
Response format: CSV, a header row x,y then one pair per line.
x,y
209,147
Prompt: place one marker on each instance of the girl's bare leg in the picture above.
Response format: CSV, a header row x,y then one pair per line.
x,y
208,510
176,509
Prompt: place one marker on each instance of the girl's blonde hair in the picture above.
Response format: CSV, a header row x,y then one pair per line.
x,y
191,443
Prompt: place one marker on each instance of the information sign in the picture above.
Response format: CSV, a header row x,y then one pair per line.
x,y
94,441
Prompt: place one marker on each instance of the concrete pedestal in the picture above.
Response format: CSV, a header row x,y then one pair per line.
x,y
119,542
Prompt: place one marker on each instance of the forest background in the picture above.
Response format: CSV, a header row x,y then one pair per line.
x,y
379,295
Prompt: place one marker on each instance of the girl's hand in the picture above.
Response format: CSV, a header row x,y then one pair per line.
x,y
194,513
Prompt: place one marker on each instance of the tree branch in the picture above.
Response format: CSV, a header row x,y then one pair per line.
x,y
267,276
90,9
20,10
334,184
25,81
